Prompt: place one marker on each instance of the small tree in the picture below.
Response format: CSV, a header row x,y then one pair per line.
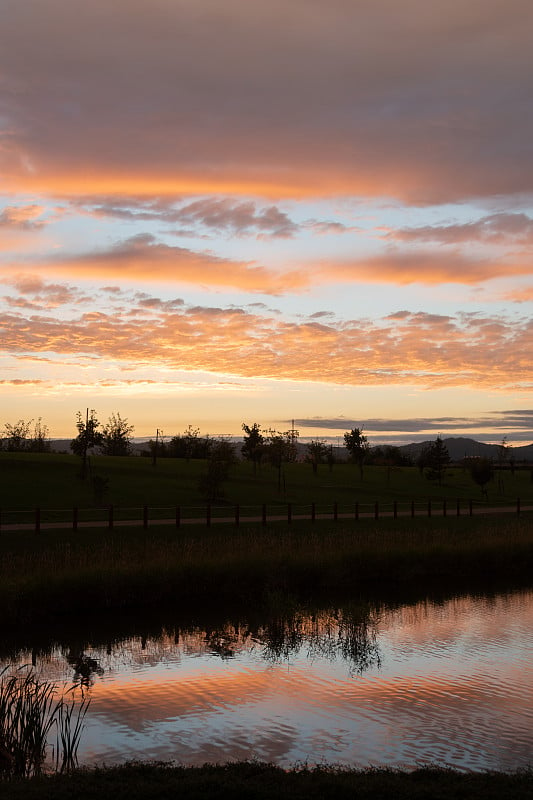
x,y
39,441
116,436
190,441
436,460
254,442
279,448
358,447
88,437
481,471
17,436
317,452
221,459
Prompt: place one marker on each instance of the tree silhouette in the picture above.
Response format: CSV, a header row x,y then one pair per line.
x,y
254,441
317,452
357,446
88,437
116,436
436,460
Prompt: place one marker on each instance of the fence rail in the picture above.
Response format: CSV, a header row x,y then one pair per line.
x,y
118,516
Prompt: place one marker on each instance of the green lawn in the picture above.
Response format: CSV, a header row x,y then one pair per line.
x,y
52,481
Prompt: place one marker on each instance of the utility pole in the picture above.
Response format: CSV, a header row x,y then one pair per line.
x,y
154,455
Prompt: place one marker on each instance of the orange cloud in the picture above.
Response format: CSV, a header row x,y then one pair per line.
x,y
141,258
405,348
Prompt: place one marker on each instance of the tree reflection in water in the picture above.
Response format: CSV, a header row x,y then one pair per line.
x,y
346,633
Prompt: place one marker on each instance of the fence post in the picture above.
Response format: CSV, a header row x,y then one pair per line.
x,y
110,517
237,515
37,520
313,512
517,506
264,514
376,510
395,509
208,515
145,516
357,510
75,518
470,508
289,513
178,516
412,508
458,507
335,511
429,508
444,507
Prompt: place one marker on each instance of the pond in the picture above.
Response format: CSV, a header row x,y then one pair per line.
x,y
447,683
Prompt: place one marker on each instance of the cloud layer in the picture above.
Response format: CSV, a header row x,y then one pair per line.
x,y
420,349
368,98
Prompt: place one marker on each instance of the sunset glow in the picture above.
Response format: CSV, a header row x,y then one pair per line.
x,y
214,214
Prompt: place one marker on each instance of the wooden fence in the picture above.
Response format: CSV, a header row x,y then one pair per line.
x,y
111,516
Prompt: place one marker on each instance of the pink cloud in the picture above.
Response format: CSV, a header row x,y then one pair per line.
x,y
277,99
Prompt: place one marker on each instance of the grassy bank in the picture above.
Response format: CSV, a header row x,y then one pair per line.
x,y
71,574
260,781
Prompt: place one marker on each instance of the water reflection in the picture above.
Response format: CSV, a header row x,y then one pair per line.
x,y
448,683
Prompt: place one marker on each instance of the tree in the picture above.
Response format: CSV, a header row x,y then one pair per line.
x,y
504,453
190,439
436,460
481,471
357,446
116,436
16,436
39,441
88,437
157,447
280,447
254,442
221,459
317,452
189,445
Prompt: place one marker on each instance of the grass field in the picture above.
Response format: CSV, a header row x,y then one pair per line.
x,y
52,481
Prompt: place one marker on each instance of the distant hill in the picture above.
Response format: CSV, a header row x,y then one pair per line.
x,y
458,448
461,447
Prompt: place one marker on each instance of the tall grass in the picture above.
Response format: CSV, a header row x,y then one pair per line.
x,y
68,575
30,712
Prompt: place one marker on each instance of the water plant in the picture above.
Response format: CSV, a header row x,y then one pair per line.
x,y
31,710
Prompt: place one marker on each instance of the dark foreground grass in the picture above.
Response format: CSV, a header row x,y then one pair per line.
x,y
69,574
256,781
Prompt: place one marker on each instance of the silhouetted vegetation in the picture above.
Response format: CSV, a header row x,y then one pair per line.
x,y
253,780
357,445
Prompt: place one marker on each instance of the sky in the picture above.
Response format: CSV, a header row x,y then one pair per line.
x,y
215,213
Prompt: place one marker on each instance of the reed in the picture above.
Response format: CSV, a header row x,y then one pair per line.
x,y
30,712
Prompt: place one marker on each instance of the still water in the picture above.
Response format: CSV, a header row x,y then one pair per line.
x,y
446,683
